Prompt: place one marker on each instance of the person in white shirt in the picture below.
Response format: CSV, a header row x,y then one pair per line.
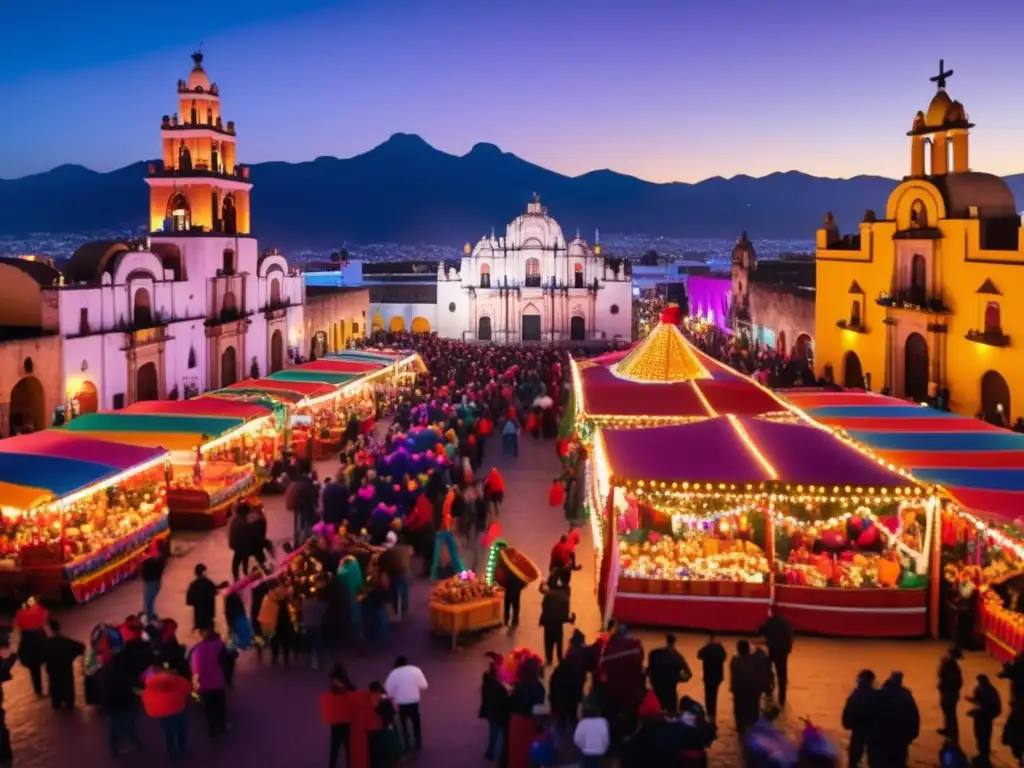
x,y
403,686
592,738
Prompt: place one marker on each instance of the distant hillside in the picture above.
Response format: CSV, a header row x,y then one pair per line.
x,y
405,191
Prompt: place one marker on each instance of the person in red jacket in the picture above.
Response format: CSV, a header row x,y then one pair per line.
x,y
165,696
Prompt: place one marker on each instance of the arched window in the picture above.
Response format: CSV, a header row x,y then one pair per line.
x,y
855,314
926,147
142,311
533,273
578,274
918,215
275,292
993,319
179,213
228,266
485,275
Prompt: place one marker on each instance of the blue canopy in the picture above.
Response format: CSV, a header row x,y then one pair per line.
x,y
60,476
981,479
876,412
940,441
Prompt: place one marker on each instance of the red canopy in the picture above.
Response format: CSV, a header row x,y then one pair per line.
x,y
339,366
200,406
62,444
307,388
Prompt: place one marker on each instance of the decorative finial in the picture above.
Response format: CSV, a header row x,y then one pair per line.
x,y
492,232
197,56
577,233
536,198
597,236
941,78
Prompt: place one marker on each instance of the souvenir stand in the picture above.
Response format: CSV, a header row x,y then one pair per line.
x,y
735,514
662,380
77,515
201,493
977,468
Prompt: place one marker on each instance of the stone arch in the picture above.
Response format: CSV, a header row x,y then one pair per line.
x,y
147,383
804,347
853,373
276,351
995,398
228,367
483,328
179,212
420,325
86,399
378,321
396,324
918,280
229,303
27,406
142,310
275,291
577,328
915,368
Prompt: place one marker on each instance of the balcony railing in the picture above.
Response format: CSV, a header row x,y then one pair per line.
x,y
914,300
240,173
847,325
532,281
990,337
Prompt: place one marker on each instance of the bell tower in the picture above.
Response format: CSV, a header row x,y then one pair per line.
x,y
939,138
198,187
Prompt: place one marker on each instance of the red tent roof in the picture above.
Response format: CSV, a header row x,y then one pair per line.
x,y
307,388
200,406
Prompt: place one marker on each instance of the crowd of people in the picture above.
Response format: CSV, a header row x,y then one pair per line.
x,y
761,361
572,700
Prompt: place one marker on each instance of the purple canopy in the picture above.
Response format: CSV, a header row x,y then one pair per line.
x,y
716,451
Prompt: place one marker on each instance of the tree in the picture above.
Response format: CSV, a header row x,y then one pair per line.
x,y
649,259
340,257
335,257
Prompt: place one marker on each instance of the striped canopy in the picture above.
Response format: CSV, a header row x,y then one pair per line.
x,y
322,377
980,465
200,406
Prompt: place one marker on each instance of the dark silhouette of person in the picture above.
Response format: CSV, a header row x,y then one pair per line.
x,y
778,636
858,714
59,654
746,682
202,598
951,681
987,707
666,668
896,724
712,657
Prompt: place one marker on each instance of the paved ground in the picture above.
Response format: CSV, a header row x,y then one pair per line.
x,y
274,710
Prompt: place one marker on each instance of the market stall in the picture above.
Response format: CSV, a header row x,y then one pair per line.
x,y
977,468
212,459
735,514
78,514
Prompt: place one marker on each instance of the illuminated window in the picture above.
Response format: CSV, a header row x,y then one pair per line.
x,y
578,274
485,275
533,273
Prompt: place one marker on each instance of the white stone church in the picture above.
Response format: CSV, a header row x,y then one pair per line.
x,y
530,285
194,306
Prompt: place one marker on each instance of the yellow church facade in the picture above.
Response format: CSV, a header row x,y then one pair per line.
x,y
922,303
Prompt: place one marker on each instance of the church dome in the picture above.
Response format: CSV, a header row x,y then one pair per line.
x,y
197,78
937,109
989,194
956,113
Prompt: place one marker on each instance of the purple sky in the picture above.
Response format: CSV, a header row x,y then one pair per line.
x,y
661,89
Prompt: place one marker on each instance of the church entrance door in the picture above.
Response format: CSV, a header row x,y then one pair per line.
x,y
915,368
483,332
228,367
577,329
147,385
531,327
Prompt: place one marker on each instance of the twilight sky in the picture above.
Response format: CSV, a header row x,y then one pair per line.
x,y
661,89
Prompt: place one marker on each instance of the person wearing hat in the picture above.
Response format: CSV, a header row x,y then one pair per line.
x,y
858,715
652,743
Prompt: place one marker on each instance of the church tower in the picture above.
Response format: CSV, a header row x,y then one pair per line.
x,y
939,138
199,187
744,262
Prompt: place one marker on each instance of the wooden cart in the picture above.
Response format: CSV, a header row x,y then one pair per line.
x,y
455,619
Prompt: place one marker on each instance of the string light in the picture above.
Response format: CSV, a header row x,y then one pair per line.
x,y
751,447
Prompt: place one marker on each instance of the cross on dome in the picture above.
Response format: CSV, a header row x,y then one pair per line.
x,y
941,78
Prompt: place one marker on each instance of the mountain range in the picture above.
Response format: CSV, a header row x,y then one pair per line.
x,y
406,191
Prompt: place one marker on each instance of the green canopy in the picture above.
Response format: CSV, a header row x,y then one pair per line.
x,y
325,377
111,421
